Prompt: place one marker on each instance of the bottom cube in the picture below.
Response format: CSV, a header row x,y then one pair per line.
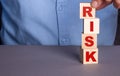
x,y
89,56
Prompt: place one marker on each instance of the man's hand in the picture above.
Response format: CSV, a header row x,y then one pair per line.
x,y
99,4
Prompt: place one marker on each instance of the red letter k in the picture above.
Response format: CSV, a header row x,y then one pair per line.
x,y
90,56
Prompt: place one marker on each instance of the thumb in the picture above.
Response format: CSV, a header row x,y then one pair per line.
x,y
99,4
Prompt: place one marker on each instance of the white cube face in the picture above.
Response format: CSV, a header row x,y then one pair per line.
x,y
86,11
90,56
89,41
91,26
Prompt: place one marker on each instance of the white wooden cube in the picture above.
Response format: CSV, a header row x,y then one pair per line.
x,y
92,26
86,11
89,56
89,41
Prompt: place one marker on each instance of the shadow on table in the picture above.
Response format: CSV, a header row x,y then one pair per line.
x,y
70,53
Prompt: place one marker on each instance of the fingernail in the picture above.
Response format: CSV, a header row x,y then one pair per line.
x,y
95,4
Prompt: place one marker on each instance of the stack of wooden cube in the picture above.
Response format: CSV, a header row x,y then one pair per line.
x,y
89,50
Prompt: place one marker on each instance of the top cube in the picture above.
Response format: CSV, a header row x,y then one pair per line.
x,y
86,11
